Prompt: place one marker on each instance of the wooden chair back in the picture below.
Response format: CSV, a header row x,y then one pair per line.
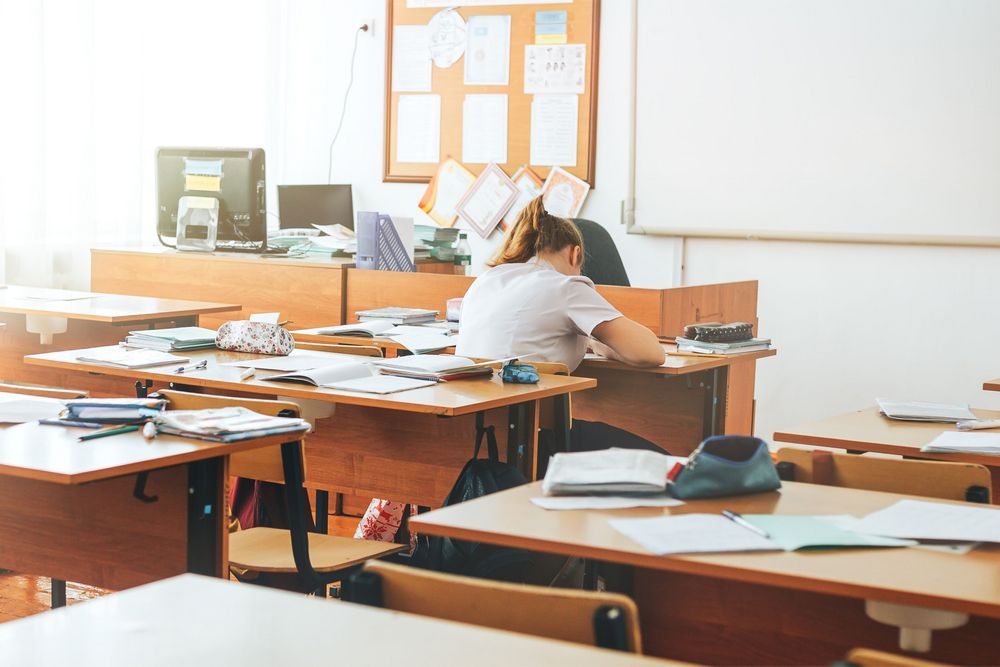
x,y
359,350
937,479
556,613
263,463
47,392
866,657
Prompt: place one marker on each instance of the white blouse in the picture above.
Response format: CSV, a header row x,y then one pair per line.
x,y
533,312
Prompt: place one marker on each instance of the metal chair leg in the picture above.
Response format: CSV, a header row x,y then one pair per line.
x,y
58,595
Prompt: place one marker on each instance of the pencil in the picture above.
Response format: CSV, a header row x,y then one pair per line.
x,y
110,431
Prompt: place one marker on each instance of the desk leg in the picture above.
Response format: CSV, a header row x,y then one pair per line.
x,y
204,517
522,437
715,403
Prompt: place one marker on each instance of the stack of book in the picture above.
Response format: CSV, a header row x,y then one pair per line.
x,y
113,410
395,315
226,424
439,367
733,347
178,339
612,471
434,241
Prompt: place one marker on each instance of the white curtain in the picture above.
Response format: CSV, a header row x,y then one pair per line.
x,y
90,88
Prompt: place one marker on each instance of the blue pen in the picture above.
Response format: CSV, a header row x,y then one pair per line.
x,y
67,422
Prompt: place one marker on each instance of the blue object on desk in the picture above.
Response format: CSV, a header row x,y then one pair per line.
x,y
519,374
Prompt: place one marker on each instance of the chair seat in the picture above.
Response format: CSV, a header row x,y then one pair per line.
x,y
270,550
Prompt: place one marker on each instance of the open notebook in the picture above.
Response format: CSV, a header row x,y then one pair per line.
x,y
351,376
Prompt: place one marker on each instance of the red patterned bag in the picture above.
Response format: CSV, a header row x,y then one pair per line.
x,y
381,522
259,337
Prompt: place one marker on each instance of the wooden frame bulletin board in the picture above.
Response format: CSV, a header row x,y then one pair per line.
x,y
583,27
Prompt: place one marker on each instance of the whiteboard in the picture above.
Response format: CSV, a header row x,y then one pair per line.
x,y
825,119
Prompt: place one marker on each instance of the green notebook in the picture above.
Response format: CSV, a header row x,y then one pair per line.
x,y
792,533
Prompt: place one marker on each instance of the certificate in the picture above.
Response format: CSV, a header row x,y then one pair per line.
x,y
484,205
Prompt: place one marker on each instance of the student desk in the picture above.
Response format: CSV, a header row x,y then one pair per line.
x,y
190,620
72,510
396,445
307,289
756,608
869,431
98,320
655,403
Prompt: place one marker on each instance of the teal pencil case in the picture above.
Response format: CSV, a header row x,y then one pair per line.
x,y
726,465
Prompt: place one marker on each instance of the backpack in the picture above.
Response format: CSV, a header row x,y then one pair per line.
x,y
479,477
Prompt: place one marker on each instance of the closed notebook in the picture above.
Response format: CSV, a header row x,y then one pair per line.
x,y
434,366
922,411
607,471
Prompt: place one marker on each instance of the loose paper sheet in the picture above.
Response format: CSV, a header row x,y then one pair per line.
x,y
418,128
555,68
18,409
487,51
923,520
691,533
976,442
553,130
484,129
411,59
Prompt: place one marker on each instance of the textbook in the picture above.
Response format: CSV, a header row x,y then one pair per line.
x,y
351,376
132,358
398,315
917,411
172,340
231,424
608,471
435,367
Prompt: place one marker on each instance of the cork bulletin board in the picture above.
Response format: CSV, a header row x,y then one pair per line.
x,y
582,27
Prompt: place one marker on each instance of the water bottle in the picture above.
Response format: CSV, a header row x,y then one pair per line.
x,y
463,255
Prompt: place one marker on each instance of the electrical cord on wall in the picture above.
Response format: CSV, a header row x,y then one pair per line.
x,y
343,108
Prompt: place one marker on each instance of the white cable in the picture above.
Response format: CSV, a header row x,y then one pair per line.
x,y
343,109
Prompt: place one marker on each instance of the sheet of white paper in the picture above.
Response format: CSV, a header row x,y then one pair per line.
x,y
411,59
554,68
604,502
976,442
418,128
478,3
484,129
553,130
691,533
487,51
447,37
422,343
18,409
270,318
287,364
46,294
923,520
848,522
923,410
404,329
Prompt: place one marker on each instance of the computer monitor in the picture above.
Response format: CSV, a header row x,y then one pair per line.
x,y
233,176
301,206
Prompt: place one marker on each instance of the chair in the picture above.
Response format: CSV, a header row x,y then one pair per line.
x,y
317,558
602,263
57,594
866,657
608,620
360,350
937,479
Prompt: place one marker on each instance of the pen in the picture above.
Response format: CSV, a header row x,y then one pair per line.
x,y
248,373
740,521
201,365
68,422
110,431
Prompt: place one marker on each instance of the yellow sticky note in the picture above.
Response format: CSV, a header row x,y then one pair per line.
x,y
203,183
550,39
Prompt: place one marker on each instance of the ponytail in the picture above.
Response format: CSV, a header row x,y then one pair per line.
x,y
535,231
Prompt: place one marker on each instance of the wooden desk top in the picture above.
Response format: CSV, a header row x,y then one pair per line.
x,y
449,399
870,431
969,583
310,259
672,366
992,385
53,453
110,308
192,619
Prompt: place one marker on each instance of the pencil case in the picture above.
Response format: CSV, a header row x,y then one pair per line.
x,y
726,465
715,332
257,337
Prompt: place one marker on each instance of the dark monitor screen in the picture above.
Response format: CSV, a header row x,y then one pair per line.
x,y
234,176
304,205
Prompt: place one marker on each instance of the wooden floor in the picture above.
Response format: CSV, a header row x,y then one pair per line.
x,y
23,595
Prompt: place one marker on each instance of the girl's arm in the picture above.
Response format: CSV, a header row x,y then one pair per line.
x,y
629,342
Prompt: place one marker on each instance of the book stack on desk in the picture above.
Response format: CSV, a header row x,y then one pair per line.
x,y
231,424
438,367
178,339
113,410
735,347
395,315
